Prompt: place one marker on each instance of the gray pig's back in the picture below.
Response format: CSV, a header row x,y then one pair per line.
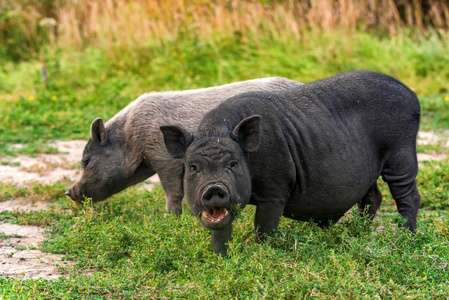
x,y
146,114
186,108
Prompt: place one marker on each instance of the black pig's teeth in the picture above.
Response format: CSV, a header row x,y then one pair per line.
x,y
215,214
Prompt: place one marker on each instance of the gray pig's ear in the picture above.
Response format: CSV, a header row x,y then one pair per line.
x,y
98,132
247,132
176,140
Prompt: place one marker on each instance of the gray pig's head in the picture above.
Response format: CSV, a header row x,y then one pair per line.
x,y
217,179
104,167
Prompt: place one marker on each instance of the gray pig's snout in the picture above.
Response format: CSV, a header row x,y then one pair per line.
x,y
70,193
215,195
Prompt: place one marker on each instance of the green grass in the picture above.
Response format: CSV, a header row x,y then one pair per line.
x,y
88,84
129,248
435,113
433,186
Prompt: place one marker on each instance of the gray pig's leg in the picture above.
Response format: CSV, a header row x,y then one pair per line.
x,y
400,172
373,198
171,180
220,238
267,219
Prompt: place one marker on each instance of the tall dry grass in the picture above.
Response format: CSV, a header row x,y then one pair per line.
x,y
109,23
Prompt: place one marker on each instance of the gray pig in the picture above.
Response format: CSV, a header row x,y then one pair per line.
x,y
305,153
129,148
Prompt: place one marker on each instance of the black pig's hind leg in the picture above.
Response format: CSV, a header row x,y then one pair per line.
x,y
400,172
370,203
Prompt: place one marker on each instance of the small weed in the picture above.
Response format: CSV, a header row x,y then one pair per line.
x,y
4,236
433,184
435,113
13,164
433,149
36,192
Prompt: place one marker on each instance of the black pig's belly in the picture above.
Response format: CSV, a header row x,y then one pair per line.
x,y
324,203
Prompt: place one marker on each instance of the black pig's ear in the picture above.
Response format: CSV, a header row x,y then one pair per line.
x,y
98,132
247,132
176,140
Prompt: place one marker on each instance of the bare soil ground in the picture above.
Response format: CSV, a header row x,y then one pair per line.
x,y
430,138
16,257
44,168
19,254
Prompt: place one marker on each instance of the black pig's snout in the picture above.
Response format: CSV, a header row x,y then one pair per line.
x,y
215,195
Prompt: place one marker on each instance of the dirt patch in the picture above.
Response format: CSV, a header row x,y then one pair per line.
x,y
431,138
48,168
427,138
17,254
13,205
23,170
44,168
429,157
19,258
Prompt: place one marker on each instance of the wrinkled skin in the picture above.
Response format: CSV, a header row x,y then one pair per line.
x,y
129,148
306,153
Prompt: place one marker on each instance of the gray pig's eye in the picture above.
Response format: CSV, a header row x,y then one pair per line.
x,y
193,168
233,164
85,162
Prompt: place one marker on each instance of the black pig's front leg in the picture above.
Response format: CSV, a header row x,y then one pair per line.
x,y
268,215
220,239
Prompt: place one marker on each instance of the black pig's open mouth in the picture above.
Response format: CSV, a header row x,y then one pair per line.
x,y
215,214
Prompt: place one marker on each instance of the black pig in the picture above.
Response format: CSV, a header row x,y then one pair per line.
x,y
305,153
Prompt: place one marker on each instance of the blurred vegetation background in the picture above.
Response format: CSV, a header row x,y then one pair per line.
x,y
29,26
65,62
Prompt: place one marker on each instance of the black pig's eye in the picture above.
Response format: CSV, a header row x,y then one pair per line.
x,y
193,168
233,164
85,162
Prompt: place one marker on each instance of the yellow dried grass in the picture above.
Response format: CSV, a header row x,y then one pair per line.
x,y
108,23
